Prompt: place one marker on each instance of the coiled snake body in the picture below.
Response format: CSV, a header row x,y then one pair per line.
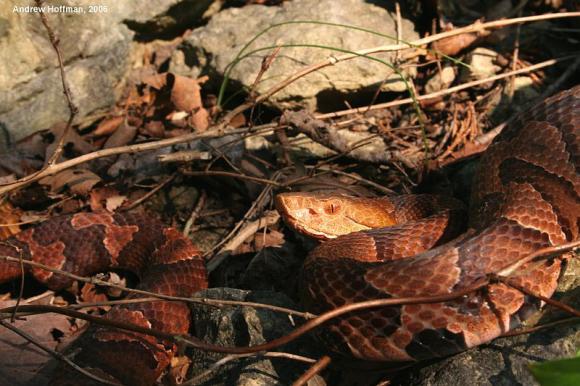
x,y
525,197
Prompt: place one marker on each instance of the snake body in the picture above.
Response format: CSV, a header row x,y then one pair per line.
x,y
86,243
525,196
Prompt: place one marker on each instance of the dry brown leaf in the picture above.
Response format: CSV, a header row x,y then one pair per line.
x,y
122,136
108,126
79,181
107,198
238,121
270,239
115,202
9,216
21,361
454,44
157,81
154,129
200,120
73,142
178,369
185,94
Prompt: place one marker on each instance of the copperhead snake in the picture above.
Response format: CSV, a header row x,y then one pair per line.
x,y
526,196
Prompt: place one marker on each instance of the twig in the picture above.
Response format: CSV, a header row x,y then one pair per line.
x,y
73,109
195,213
529,330
358,178
229,358
217,131
562,306
444,92
556,85
194,342
195,300
316,368
55,354
150,193
248,230
476,27
258,202
232,175
544,252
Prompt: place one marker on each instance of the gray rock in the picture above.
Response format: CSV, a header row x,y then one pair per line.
x,y
244,326
481,63
441,80
95,49
212,48
505,361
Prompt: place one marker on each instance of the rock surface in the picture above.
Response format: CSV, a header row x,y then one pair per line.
x,y
95,48
245,326
212,48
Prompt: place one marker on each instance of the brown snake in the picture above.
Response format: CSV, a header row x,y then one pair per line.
x,y
525,197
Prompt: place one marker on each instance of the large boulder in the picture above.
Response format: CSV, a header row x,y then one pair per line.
x,y
95,47
210,49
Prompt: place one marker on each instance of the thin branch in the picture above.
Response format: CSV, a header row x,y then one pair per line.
x,y
540,253
316,368
195,342
248,230
332,60
150,193
195,213
194,300
217,131
229,358
555,303
55,354
73,109
448,91
258,202
232,175
529,330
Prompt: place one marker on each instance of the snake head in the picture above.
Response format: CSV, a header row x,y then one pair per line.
x,y
325,216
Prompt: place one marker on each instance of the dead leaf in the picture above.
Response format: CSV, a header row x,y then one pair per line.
x,y
154,129
157,81
22,362
107,198
200,120
454,44
108,126
122,136
270,239
238,121
178,369
79,181
9,216
185,94
73,142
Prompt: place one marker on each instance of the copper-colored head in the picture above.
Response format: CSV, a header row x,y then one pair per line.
x,y
325,216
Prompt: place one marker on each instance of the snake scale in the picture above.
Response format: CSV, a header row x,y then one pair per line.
x,y
526,196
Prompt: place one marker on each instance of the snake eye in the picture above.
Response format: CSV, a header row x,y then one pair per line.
x,y
332,208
